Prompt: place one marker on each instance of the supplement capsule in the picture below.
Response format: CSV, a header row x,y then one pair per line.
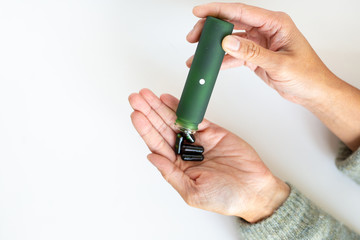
x,y
178,143
191,157
189,137
191,149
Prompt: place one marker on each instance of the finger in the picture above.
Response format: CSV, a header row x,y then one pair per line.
x,y
264,76
138,103
172,102
229,61
250,65
259,38
237,13
167,114
189,61
249,51
172,174
151,137
194,35
241,34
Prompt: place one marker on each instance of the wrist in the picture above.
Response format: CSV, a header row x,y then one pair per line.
x,y
270,198
324,93
337,107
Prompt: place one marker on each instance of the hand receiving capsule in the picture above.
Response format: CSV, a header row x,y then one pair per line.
x,y
231,180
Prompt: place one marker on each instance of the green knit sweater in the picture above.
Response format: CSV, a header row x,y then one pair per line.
x,y
299,218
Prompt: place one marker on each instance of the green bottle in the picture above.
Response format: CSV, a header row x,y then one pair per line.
x,y
202,75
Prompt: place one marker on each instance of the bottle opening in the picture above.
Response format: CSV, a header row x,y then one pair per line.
x,y
185,127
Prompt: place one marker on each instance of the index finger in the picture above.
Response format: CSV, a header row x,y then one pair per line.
x,y
235,12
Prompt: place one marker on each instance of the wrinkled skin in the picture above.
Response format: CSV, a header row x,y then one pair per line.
x,y
231,180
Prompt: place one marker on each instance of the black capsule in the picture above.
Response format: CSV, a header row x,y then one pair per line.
x,y
192,157
189,137
178,143
191,149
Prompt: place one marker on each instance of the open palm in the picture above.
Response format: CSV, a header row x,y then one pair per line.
x,y
231,180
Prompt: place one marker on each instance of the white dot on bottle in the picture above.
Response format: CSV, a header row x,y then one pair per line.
x,y
202,81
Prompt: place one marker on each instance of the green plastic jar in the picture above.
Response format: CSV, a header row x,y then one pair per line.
x,y
202,75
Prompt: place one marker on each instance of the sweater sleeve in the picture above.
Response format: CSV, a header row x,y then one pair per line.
x,y
348,162
297,218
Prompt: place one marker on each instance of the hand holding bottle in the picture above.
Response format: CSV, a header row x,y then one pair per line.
x,y
272,46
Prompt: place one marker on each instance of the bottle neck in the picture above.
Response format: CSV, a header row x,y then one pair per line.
x,y
185,126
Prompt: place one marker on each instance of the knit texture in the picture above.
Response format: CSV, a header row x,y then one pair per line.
x,y
299,218
348,162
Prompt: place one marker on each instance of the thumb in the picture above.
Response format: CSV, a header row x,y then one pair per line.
x,y
247,50
172,174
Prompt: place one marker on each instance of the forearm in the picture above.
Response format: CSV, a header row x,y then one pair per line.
x,y
337,105
297,218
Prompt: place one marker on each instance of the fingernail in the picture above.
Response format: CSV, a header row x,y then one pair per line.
x,y
231,43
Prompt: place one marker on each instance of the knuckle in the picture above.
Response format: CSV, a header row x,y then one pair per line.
x,y
250,50
283,16
162,127
285,20
167,176
158,146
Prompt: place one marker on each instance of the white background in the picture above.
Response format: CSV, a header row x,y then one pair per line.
x,y
71,164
